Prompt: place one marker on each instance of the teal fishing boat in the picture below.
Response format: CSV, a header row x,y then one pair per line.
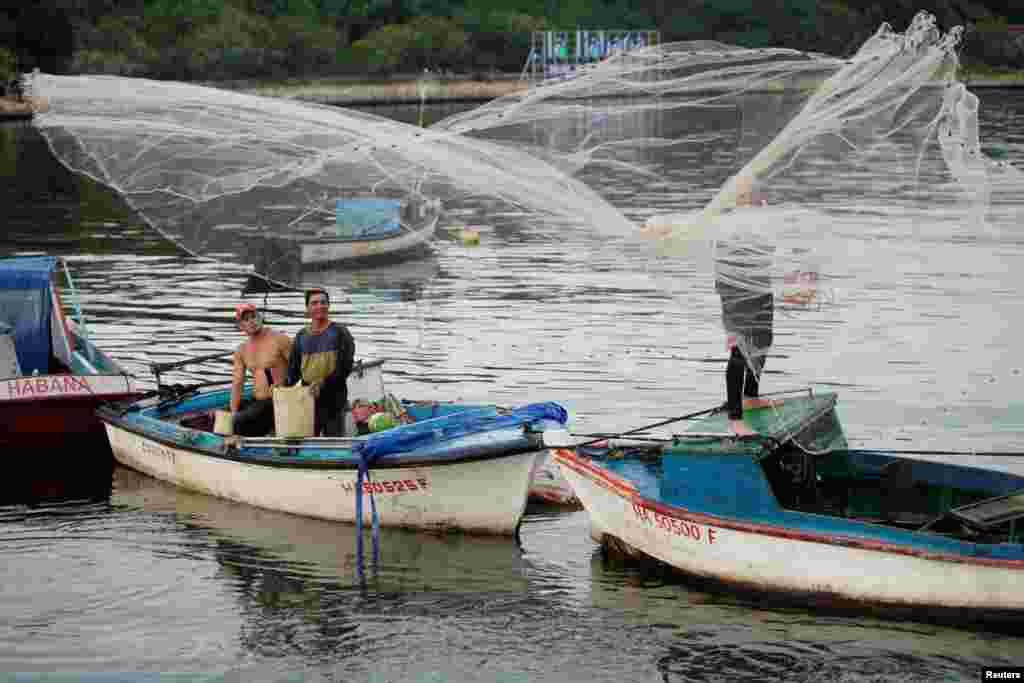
x,y
791,510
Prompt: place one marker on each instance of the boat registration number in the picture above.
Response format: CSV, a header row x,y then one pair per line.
x,y
390,485
677,527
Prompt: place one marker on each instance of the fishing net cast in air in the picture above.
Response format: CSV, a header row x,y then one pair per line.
x,y
817,165
816,155
221,172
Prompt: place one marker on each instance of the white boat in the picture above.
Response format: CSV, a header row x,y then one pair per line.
x,y
455,467
372,227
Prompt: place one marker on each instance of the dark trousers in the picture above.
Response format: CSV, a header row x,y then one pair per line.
x,y
740,381
330,415
254,418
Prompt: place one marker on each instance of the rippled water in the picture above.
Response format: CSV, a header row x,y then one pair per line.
x,y
120,573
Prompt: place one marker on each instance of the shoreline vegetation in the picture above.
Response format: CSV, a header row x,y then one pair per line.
x,y
399,90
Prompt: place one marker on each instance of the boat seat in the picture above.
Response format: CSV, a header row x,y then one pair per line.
x,y
991,512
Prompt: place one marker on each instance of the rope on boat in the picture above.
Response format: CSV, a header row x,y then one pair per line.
x,y
363,473
614,436
706,411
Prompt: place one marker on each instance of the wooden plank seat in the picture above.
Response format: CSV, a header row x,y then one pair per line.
x,y
991,512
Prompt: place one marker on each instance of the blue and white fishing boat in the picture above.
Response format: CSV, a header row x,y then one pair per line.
x,y
790,510
371,227
52,375
448,466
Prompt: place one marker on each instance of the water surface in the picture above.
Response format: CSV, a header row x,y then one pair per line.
x,y
114,572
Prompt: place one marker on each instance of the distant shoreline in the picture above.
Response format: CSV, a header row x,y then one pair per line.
x,y
399,91
352,92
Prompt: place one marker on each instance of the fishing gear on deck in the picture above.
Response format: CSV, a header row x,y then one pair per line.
x,y
157,368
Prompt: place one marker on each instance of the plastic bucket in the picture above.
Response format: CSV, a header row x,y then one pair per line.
x,y
223,422
294,411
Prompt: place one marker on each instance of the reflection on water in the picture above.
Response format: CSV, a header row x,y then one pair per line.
x,y
143,577
324,552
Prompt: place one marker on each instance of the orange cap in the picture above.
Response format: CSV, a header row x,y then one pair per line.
x,y
243,308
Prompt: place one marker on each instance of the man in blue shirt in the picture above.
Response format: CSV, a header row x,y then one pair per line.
x,y
321,358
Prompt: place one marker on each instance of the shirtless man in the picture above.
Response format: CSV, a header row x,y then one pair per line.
x,y
265,353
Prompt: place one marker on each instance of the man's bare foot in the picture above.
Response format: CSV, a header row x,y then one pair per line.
x,y
740,428
752,403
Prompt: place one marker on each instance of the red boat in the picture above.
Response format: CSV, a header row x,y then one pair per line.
x,y
52,376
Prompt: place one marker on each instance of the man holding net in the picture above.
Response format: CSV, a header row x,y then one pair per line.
x,y
742,280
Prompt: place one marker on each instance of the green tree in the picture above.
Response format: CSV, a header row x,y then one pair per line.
x,y
8,65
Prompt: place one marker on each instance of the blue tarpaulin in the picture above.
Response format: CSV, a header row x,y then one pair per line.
x,y
368,217
452,426
25,307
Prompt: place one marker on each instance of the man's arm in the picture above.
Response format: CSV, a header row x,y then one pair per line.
x,y
345,359
237,381
284,350
295,361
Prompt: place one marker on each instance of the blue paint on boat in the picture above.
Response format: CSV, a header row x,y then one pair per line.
x,y
725,478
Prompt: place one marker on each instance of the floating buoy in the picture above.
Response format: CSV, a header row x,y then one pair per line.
x,y
469,236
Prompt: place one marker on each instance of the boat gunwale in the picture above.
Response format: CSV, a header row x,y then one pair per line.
x,y
617,485
116,419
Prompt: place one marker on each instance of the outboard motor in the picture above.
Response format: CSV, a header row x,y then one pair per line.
x,y
9,366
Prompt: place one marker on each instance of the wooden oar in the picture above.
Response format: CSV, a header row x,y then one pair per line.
x,y
707,411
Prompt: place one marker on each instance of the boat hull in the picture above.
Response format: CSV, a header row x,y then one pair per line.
x,y
333,251
57,411
547,485
767,558
482,495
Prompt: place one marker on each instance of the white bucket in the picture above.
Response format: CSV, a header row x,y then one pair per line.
x,y
294,410
223,422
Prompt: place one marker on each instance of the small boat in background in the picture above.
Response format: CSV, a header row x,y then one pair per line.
x,y
52,376
791,510
443,466
369,227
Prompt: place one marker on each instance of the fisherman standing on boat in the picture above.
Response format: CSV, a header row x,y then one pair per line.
x,y
265,353
742,280
322,358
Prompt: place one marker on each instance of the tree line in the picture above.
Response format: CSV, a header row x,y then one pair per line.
x,y
273,39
